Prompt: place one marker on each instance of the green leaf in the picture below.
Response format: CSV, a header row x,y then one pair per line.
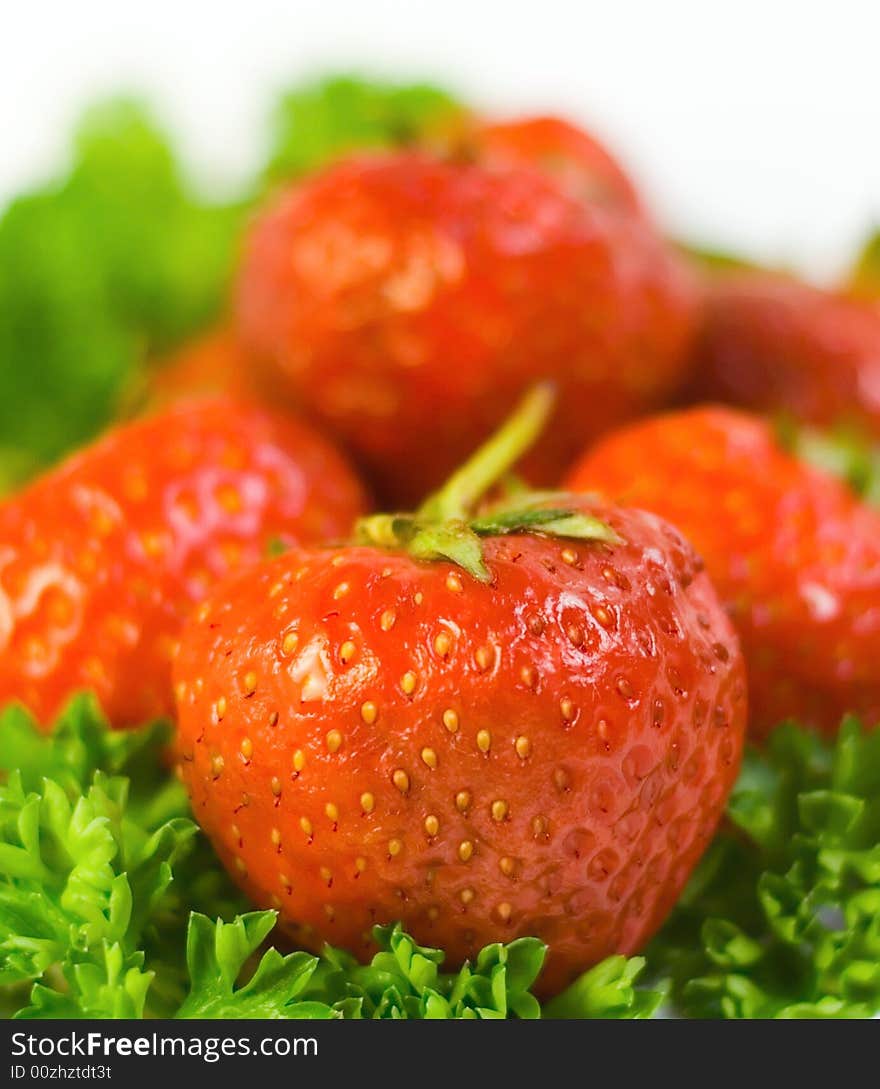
x,y
79,743
865,276
325,119
450,541
552,522
87,858
846,453
405,980
709,259
108,985
524,959
113,261
216,953
781,919
74,874
608,990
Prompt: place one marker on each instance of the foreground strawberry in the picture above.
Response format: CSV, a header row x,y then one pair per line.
x,y
772,343
407,302
101,558
522,723
791,550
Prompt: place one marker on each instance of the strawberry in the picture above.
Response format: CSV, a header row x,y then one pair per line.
x,y
213,363
774,344
467,723
577,160
791,550
101,558
406,302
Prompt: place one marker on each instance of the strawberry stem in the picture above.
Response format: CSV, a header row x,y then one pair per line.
x,y
446,525
460,495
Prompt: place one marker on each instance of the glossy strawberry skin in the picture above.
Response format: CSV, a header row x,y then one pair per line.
x,y
795,556
408,302
101,559
773,344
366,738
576,159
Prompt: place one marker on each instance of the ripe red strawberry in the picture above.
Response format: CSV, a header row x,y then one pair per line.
x,y
101,558
213,363
407,302
791,550
774,344
536,739
584,168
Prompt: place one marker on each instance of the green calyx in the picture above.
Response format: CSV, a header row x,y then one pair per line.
x,y
451,523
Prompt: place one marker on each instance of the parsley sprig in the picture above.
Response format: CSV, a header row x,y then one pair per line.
x,y
782,918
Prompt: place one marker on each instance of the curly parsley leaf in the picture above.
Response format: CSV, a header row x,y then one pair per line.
x,y
404,980
76,875
608,991
107,984
216,953
782,918
87,855
81,743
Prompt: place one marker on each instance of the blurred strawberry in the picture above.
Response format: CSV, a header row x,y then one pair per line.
x,y
406,303
101,559
580,164
213,363
774,344
792,551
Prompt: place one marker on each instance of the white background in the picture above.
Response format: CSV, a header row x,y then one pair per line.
x,y
750,125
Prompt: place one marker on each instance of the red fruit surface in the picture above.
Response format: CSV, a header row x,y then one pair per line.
x,y
368,738
216,362
792,552
774,344
102,558
579,163
407,302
